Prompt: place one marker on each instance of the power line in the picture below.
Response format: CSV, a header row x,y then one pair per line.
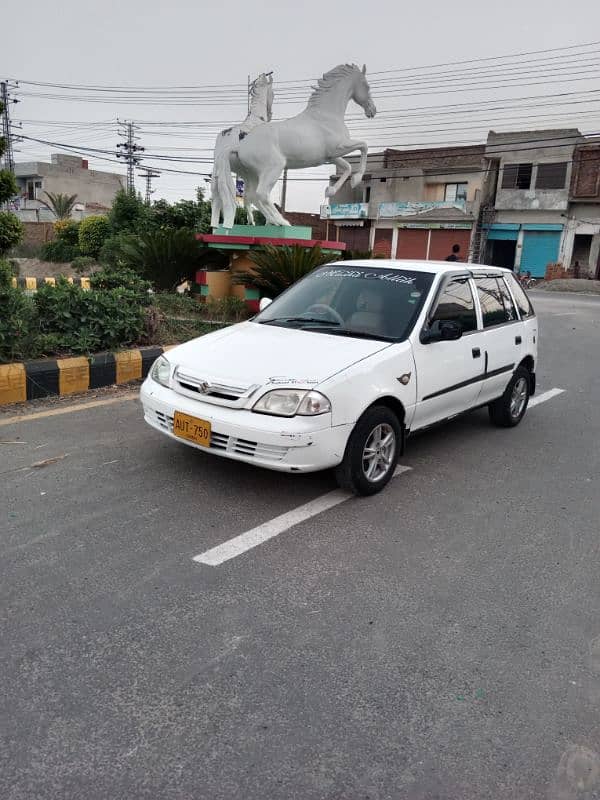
x,y
129,152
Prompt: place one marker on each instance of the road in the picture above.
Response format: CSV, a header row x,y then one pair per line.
x,y
440,640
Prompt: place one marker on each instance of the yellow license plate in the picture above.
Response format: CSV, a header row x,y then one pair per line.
x,y
191,428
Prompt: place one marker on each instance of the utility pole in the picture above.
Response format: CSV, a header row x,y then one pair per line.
x,y
6,99
284,190
149,174
129,152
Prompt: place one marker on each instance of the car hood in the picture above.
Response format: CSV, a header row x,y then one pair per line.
x,y
251,353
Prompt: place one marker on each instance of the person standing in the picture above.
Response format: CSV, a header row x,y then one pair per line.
x,y
454,255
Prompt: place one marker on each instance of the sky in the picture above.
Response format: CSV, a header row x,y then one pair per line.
x,y
441,73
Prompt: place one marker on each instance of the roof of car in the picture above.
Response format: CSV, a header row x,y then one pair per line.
x,y
424,266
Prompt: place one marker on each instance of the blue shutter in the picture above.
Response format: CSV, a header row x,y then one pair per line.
x,y
540,248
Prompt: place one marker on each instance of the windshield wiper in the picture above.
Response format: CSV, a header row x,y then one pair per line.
x,y
307,320
354,334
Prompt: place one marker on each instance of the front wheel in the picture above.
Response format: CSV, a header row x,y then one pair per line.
x,y
371,453
509,410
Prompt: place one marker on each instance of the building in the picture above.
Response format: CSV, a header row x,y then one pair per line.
x,y
68,175
523,200
528,209
411,203
580,249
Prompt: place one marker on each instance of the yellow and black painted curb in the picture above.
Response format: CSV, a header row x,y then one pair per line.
x,y
33,284
31,380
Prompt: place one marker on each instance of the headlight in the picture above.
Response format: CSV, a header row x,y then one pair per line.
x,y
289,402
161,370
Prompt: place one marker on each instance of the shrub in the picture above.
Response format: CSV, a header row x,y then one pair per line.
x,y
166,257
84,321
67,231
128,214
16,320
93,231
177,305
58,251
11,231
279,267
226,309
111,251
122,278
82,262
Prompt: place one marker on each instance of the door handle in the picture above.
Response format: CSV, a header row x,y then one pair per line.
x,y
476,352
518,340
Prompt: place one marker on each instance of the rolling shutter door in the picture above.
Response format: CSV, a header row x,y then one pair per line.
x,y
540,248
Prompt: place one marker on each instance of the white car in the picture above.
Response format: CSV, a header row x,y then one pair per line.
x,y
340,368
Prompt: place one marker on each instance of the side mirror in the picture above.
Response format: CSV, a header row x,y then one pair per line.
x,y
442,330
264,302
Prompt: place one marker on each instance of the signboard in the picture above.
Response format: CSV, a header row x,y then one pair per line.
x,y
408,208
345,211
239,187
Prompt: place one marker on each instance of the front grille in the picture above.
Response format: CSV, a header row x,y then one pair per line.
x,y
231,444
211,391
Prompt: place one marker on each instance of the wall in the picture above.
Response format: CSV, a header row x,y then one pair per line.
x,y
38,233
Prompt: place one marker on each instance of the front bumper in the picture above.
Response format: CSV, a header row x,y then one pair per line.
x,y
295,444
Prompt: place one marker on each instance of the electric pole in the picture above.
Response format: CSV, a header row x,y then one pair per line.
x,y
149,174
6,99
284,189
129,152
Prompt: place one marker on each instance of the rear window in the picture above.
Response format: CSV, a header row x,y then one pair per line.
x,y
521,299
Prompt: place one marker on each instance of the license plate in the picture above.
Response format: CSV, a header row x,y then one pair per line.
x,y
191,428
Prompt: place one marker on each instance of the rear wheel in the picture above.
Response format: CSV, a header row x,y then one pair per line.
x,y
509,410
371,453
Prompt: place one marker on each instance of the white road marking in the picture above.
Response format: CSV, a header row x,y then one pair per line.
x,y
246,541
541,398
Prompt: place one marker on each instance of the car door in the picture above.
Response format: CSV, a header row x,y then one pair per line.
x,y
449,373
504,342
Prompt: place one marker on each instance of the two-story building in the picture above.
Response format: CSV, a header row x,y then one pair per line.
x,y
525,228
411,203
580,248
68,175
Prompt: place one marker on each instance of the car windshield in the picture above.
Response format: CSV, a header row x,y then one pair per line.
x,y
361,301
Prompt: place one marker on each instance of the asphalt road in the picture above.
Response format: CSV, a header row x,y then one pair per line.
x,y
440,640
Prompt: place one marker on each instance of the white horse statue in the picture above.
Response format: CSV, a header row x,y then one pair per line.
x,y
316,136
222,183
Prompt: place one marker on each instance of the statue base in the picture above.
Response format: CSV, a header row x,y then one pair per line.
x,y
239,240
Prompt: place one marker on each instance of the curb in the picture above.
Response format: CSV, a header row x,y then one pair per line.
x,y
30,380
33,284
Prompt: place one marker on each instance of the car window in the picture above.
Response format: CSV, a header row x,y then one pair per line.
x,y
492,302
352,299
521,299
509,307
456,303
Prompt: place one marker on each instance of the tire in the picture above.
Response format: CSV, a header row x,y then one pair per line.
x,y
509,410
353,473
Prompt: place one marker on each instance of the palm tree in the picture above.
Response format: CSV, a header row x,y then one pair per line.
x,y
278,267
61,204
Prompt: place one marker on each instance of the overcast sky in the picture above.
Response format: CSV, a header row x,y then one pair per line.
x,y
166,44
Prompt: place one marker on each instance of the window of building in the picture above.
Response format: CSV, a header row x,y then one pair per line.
x,y
456,303
516,176
455,191
551,176
382,180
367,194
494,308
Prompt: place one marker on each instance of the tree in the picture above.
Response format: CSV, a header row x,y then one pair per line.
x,y
192,214
11,230
128,214
278,267
61,205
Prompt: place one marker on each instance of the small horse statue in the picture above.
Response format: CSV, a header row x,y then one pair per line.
x,y
316,136
222,183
